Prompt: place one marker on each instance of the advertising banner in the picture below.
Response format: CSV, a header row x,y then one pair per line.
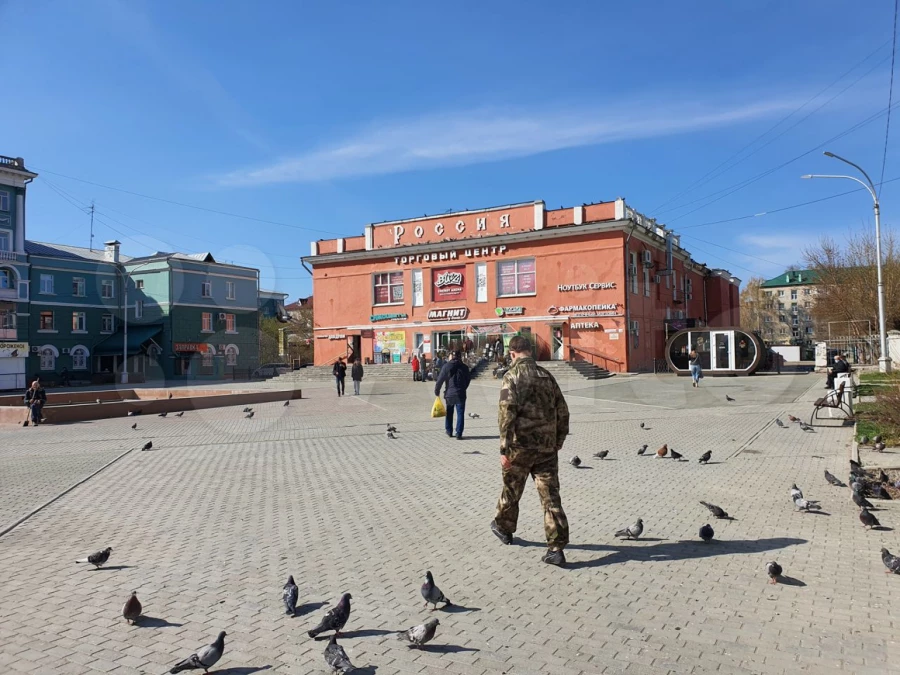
x,y
448,283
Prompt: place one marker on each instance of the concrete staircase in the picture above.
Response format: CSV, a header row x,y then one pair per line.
x,y
568,369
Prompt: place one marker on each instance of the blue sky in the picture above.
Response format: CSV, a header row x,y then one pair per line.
x,y
323,117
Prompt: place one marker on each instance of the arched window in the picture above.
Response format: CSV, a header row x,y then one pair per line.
x,y
208,355
80,356
48,357
231,354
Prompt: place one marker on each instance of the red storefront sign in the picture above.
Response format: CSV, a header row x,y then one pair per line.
x,y
200,347
449,283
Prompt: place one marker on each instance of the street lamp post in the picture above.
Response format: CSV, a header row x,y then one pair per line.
x,y
884,361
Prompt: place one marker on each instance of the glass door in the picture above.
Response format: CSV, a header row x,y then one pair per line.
x,y
722,352
557,353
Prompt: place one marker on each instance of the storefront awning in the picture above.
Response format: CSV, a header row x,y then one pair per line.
x,y
137,337
494,329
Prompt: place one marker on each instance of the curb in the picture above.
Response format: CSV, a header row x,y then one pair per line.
x,y
62,494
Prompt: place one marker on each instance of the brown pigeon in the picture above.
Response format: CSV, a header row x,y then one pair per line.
x,y
663,451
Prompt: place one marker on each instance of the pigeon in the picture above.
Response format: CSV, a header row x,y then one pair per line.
x,y
706,532
205,657
855,467
796,493
867,519
859,500
170,394
390,434
419,635
474,416
877,439
336,657
878,492
286,404
134,413
642,425
575,461
99,401
805,427
432,593
147,446
676,455
134,426
246,410
864,440
833,480
163,414
335,618
132,608
663,451
883,477
717,511
632,531
806,504
249,415
391,428
892,562
779,422
705,457
728,398
179,414
879,447
773,569
642,450
793,419
97,559
602,454
289,596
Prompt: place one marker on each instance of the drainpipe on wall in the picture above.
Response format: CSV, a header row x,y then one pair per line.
x,y
627,304
705,305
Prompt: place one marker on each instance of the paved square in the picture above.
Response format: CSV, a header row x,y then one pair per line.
x,y
208,525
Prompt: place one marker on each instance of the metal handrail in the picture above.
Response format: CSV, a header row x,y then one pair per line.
x,y
592,354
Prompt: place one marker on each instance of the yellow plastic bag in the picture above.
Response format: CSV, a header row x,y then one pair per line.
x,y
438,410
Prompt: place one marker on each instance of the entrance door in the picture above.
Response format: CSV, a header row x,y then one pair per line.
x,y
356,346
557,352
721,355
418,341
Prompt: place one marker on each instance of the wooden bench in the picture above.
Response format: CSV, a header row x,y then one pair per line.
x,y
837,400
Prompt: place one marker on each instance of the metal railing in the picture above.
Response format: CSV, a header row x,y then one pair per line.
x,y
593,357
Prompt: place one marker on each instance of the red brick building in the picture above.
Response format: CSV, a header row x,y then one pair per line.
x,y
598,283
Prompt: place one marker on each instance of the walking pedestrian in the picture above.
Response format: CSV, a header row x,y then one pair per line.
x,y
340,373
456,375
415,367
423,368
356,374
35,398
696,370
534,423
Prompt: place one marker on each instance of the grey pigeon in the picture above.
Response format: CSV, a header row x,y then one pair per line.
x,y
391,428
249,415
877,439
170,394
147,446
289,595
474,416
575,461
892,562
132,608
878,492
675,455
134,413
806,505
97,559
706,532
205,657
163,414
432,593
717,511
602,454
867,519
286,404
779,422
336,657
642,425
179,414
632,531
864,440
705,457
806,427
390,434
246,410
99,401
879,447
883,477
728,398
419,635
855,466
134,426
833,480
859,500
642,450
335,618
773,569
796,493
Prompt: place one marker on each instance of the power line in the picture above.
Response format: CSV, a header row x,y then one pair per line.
x,y
887,129
707,177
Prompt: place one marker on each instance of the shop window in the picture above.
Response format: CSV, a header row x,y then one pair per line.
x,y
388,288
516,277
48,359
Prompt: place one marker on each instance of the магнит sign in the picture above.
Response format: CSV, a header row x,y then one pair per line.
x,y
449,314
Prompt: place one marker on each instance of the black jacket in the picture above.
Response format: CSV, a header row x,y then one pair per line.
x,y
35,395
339,370
456,375
840,367
356,371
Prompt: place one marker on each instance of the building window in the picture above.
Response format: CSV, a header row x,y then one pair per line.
x,y
780,305
5,240
229,290
805,291
206,322
78,287
781,293
79,359
647,282
230,323
206,289
139,284
516,277
5,279
48,359
388,288
79,322
47,284
106,289
106,323
206,361
46,321
768,319
794,294
795,321
632,271
4,201
231,354
139,309
8,319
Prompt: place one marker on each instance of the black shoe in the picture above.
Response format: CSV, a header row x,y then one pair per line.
x,y
557,558
505,537
450,435
459,438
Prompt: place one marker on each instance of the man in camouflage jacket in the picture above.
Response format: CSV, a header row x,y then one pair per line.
x,y
534,422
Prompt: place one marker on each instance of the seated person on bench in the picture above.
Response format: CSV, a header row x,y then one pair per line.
x,y
840,366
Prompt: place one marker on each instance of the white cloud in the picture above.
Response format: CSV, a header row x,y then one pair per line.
x,y
792,244
471,137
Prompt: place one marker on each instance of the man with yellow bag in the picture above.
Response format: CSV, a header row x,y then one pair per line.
x,y
455,374
534,423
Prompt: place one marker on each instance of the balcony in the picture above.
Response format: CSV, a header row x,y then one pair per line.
x,y
9,255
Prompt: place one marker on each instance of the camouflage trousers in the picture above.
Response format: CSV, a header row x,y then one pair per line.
x,y
543,466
